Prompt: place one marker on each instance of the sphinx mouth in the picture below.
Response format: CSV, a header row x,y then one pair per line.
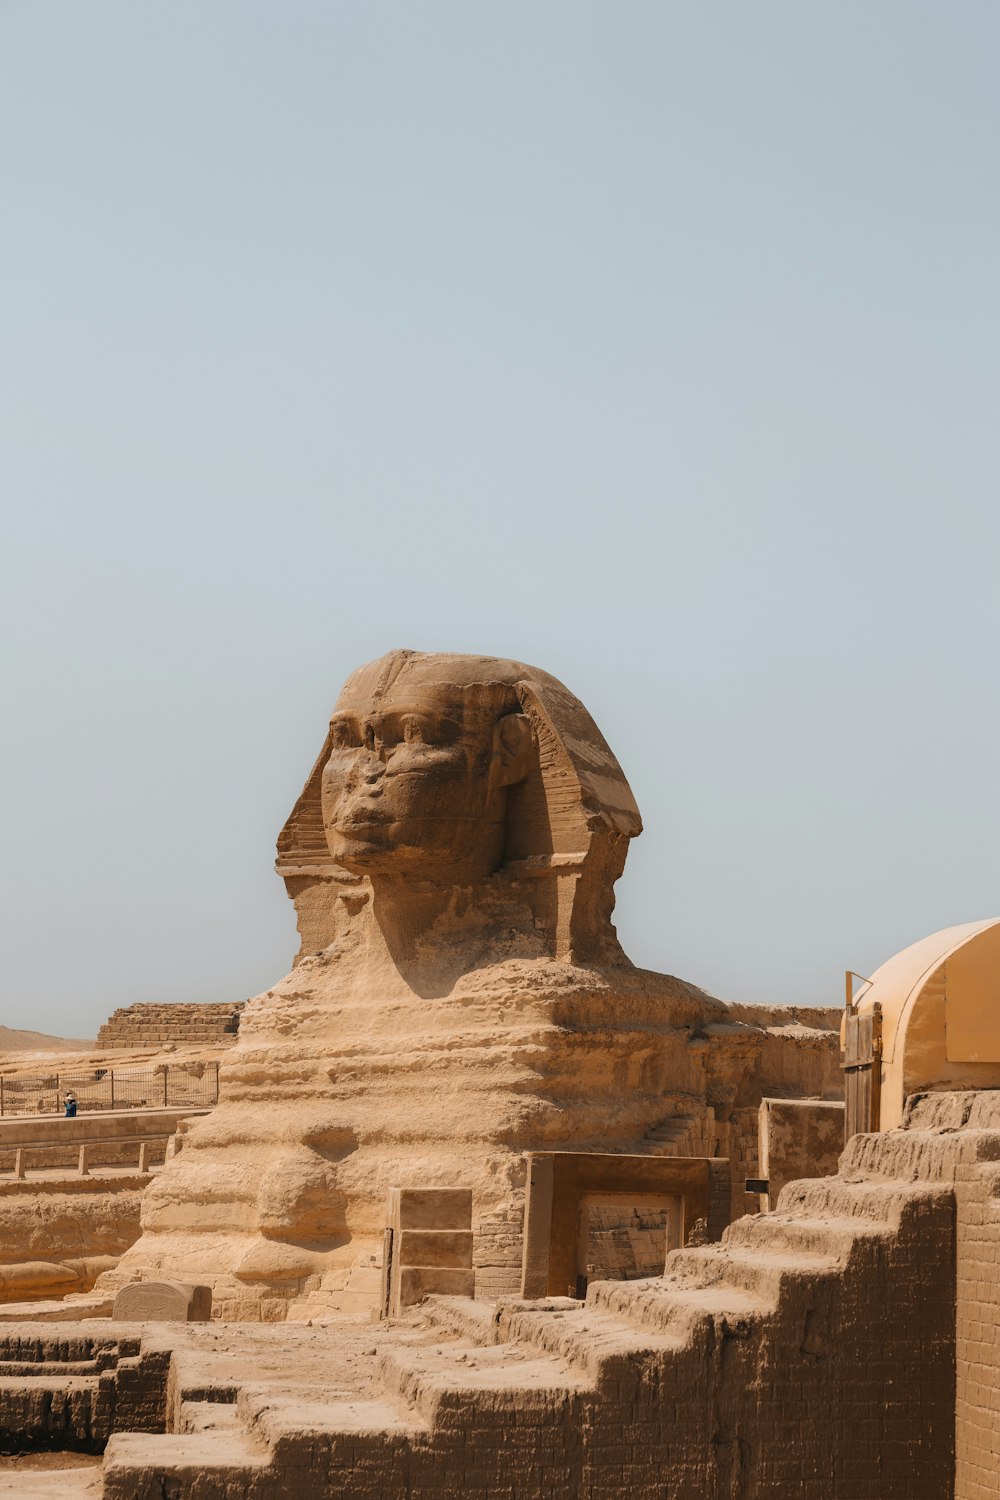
x,y
356,822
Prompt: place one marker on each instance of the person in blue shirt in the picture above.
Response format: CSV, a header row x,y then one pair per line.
x,y
70,1107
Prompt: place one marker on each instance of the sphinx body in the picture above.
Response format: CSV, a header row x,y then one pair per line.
x,y
460,996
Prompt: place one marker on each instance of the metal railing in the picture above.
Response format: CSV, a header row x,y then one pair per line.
x,y
194,1084
87,1152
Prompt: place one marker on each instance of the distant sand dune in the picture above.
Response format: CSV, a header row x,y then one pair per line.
x,y
36,1041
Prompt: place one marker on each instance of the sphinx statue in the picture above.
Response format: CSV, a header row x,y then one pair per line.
x,y
459,998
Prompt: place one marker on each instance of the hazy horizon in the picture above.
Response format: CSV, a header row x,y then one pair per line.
x,y
654,345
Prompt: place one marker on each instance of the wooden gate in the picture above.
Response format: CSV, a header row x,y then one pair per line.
x,y
862,1067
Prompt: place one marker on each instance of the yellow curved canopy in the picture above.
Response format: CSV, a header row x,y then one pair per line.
x,y
940,1001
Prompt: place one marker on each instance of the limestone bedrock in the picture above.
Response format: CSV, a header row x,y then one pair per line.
x,y
460,996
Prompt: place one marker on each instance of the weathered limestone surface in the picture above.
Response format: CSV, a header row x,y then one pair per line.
x,y
58,1235
460,998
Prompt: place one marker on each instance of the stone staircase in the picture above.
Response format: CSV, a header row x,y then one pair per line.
x,y
703,1384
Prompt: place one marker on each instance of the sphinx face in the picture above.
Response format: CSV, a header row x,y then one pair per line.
x,y
407,786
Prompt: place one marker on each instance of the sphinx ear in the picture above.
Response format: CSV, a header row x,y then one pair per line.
x,y
513,750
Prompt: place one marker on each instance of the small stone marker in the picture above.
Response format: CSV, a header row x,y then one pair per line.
x,y
163,1302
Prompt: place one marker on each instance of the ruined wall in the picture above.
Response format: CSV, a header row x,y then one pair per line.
x,y
186,1025
110,1386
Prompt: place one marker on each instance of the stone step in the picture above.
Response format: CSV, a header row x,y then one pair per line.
x,y
803,1234
674,1310
217,1465
926,1156
593,1339
439,1381
55,1381
748,1268
284,1423
47,1408
463,1318
878,1202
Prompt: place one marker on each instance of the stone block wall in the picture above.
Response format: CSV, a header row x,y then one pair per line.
x,y
626,1244
186,1025
498,1248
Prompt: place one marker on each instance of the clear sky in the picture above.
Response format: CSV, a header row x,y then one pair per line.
x,y
652,343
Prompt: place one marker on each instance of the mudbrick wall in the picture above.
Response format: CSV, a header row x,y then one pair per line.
x,y
843,1347
975,1117
69,1391
152,1025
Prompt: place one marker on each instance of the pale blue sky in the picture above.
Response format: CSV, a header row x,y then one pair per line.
x,y
655,344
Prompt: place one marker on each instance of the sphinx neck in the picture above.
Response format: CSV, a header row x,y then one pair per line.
x,y
406,913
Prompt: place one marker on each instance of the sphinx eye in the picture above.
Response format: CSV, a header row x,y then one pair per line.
x,y
340,734
413,728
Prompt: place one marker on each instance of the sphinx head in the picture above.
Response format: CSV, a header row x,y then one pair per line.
x,y
444,770
415,783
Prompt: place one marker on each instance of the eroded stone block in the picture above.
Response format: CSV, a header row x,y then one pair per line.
x,y
163,1302
430,1208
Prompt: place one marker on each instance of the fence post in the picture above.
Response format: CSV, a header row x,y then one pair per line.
x,y
112,1088
166,1075
1,1093
216,1080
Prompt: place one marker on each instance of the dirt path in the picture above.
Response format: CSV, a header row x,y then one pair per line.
x,y
51,1476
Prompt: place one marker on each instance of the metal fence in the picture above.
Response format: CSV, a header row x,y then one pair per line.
x,y
181,1084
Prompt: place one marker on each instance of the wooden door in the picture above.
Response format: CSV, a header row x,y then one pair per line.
x,y
862,1067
